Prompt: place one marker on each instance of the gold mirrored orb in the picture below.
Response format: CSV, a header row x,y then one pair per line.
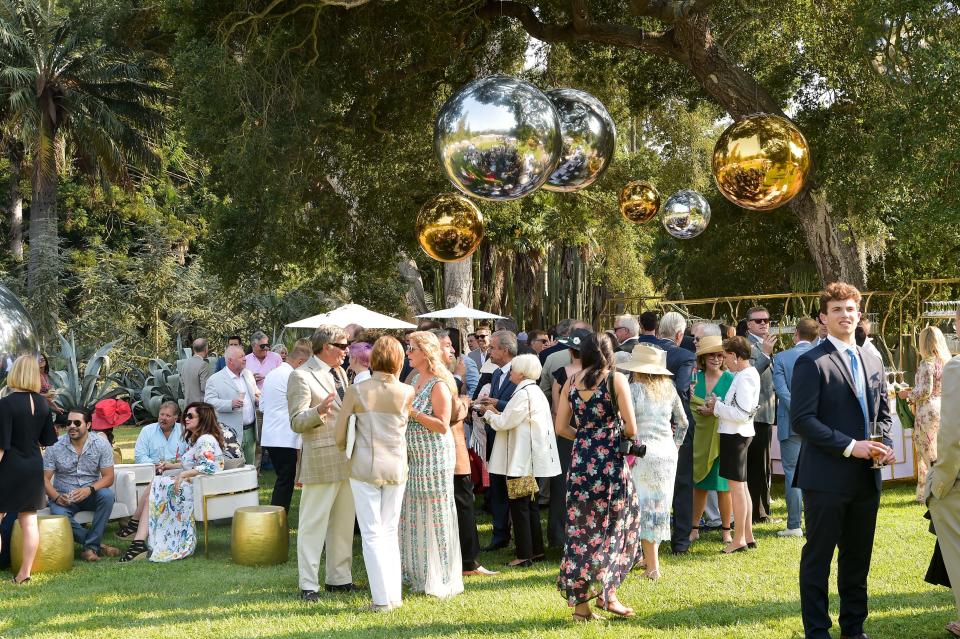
x,y
449,227
761,162
639,201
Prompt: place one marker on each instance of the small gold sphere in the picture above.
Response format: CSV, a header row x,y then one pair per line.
x,y
761,162
449,227
639,201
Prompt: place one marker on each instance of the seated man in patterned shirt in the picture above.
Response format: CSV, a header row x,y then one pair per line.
x,y
78,475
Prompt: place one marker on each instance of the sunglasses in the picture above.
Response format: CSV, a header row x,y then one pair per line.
x,y
481,336
263,347
342,347
760,320
543,340
190,416
75,422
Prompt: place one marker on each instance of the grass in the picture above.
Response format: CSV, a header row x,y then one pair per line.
x,y
701,595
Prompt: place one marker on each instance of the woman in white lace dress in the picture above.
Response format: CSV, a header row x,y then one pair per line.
x,y
661,426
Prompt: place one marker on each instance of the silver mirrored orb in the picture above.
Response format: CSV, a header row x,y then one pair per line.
x,y
685,214
17,334
589,139
498,138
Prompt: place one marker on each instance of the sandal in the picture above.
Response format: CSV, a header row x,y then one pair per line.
x,y
694,533
21,582
136,552
725,532
622,611
128,528
954,628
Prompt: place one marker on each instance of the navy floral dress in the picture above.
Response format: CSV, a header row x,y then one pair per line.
x,y
603,514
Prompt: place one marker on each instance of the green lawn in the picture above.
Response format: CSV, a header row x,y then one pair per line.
x,y
701,595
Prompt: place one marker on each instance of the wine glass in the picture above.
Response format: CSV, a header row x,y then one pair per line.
x,y
877,434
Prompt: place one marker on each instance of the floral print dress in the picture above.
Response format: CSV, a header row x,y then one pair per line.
x,y
603,518
171,534
926,397
429,539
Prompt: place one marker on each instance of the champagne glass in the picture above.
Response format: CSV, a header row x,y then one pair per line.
x,y
876,435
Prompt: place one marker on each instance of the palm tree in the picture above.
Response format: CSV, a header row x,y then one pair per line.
x,y
76,103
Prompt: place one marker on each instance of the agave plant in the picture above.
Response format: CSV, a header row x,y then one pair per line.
x,y
83,389
160,383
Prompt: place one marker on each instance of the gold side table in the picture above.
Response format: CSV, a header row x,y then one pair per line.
x,y
55,553
259,536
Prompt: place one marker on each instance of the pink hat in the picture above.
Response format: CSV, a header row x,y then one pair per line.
x,y
109,413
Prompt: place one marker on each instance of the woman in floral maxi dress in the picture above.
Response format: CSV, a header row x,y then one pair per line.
x,y
926,399
167,525
603,518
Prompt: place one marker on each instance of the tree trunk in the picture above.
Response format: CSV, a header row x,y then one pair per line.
x,y
43,263
415,296
458,289
15,199
833,249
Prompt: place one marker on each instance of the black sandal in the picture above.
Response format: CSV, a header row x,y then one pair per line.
x,y
136,551
128,528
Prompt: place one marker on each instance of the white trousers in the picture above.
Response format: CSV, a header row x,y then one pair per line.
x,y
378,513
326,521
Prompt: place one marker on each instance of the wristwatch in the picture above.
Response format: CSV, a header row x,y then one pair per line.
x,y
93,491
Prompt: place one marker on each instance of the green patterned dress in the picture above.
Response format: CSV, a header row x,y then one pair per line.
x,y
429,542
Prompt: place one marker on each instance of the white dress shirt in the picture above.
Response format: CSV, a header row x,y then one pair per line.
x,y
249,415
276,419
842,348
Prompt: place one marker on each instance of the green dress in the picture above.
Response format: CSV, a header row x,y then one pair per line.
x,y
706,440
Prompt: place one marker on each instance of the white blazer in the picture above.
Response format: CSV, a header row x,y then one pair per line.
x,y
220,392
526,443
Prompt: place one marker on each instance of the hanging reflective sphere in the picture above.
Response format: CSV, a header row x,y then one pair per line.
x,y
685,214
17,334
761,162
589,139
449,227
639,201
498,138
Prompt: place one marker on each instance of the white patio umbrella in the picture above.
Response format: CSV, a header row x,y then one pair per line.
x,y
352,314
461,311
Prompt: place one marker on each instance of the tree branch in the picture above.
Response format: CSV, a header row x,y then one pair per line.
x,y
581,30
669,10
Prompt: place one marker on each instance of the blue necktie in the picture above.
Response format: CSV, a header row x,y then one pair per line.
x,y
861,390
495,383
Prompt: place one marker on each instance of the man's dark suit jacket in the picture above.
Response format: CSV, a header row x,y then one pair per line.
x,y
628,344
824,410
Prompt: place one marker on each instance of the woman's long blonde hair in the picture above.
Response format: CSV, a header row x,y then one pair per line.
x,y
933,344
658,387
429,345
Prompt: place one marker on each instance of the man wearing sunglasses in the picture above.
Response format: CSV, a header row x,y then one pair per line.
x,y
758,454
261,360
482,352
314,395
78,476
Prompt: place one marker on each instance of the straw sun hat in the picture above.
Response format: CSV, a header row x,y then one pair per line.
x,y
710,344
646,359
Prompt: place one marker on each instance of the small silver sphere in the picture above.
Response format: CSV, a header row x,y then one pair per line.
x,y
589,140
498,138
685,214
17,334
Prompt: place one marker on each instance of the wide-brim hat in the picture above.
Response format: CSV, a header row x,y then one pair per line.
x,y
646,359
109,413
709,344
575,339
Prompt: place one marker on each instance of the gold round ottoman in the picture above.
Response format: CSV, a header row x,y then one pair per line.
x,y
55,553
259,536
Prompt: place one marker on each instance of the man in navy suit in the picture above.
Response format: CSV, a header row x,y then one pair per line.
x,y
783,363
680,362
838,392
649,321
503,348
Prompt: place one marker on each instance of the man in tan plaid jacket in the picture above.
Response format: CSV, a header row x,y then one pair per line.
x,y
314,394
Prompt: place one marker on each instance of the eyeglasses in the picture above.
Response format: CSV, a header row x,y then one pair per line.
x,y
619,328
75,422
342,347
190,416
714,356
760,320
481,336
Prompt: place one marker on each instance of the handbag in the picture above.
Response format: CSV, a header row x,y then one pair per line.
x,y
526,486
351,434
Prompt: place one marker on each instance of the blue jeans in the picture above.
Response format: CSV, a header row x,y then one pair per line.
x,y
101,504
789,453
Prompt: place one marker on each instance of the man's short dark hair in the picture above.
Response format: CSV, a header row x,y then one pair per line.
x,y
428,325
235,337
649,321
86,412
